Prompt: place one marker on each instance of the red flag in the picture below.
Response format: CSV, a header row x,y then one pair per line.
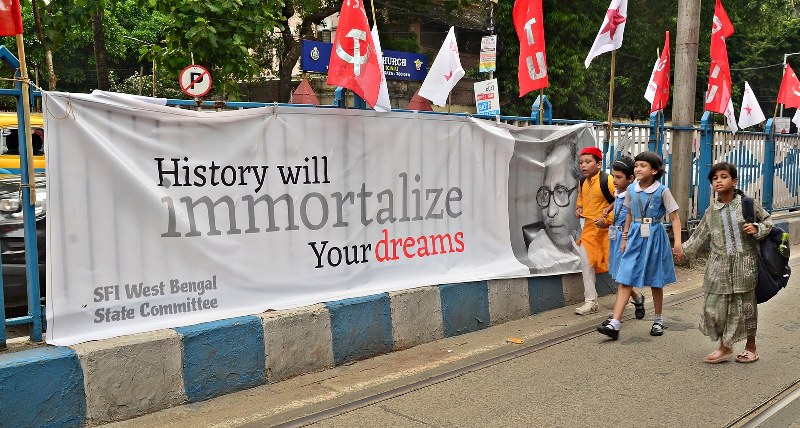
x,y
719,79
532,59
10,18
354,62
789,94
661,79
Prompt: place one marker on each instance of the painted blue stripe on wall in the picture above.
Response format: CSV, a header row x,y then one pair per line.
x,y
465,307
545,293
361,327
222,356
42,387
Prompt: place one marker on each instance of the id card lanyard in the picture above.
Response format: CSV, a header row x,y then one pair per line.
x,y
644,231
612,231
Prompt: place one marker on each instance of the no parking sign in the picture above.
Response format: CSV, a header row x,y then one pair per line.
x,y
195,80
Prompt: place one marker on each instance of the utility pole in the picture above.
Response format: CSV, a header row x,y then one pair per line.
x,y
686,41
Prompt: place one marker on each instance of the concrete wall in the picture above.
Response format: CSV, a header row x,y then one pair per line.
x,y
125,377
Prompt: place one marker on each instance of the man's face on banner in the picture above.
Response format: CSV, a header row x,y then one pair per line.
x,y
559,215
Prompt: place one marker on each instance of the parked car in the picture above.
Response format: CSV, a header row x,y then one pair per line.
x,y
12,243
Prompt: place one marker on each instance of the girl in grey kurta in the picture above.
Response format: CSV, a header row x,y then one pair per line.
x,y
729,309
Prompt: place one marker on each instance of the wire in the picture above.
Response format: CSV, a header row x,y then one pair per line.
x,y
758,68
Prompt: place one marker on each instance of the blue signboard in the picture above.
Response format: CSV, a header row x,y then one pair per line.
x,y
397,65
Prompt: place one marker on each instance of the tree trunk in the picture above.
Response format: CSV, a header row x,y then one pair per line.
x,y
48,53
292,45
100,54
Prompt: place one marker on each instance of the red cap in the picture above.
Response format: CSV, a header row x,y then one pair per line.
x,y
592,151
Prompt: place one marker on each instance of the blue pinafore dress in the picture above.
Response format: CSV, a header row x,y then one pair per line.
x,y
647,261
615,236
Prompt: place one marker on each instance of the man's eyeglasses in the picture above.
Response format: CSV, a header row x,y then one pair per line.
x,y
560,195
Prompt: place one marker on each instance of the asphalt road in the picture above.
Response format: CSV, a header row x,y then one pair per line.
x,y
564,374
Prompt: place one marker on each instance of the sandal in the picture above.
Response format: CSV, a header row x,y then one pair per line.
x,y
722,358
747,357
639,311
657,329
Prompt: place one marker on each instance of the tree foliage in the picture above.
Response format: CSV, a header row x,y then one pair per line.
x,y
219,33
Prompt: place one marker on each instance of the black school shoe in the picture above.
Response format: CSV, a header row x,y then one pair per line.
x,y
657,329
608,331
639,311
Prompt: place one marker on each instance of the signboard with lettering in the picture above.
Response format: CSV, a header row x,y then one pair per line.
x,y
488,59
487,99
782,125
397,65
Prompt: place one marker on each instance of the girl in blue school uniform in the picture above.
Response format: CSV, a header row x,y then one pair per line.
x,y
646,257
622,174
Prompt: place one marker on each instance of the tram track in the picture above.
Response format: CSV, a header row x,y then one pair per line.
x,y
455,373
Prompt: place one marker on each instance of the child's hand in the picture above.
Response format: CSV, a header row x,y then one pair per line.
x,y
750,228
607,210
677,251
600,222
579,212
622,246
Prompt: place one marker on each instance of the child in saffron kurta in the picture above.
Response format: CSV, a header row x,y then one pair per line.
x,y
646,256
729,306
591,206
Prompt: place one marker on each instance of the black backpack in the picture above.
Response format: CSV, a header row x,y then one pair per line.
x,y
773,267
603,187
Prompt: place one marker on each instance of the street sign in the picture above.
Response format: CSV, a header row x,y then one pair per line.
x,y
195,81
782,125
488,56
315,56
487,99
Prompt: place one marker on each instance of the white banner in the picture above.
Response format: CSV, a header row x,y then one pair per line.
x,y
161,217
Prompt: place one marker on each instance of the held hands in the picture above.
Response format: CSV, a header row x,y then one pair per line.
x,y
579,212
600,222
677,251
750,228
607,210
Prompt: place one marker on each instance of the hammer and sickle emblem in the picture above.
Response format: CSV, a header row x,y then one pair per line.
x,y
356,59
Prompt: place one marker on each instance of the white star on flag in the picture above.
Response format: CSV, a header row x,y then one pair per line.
x,y
751,113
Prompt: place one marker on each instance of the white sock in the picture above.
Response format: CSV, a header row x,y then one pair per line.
x,y
615,324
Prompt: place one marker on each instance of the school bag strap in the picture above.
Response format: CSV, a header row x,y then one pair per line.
x,y
748,209
607,193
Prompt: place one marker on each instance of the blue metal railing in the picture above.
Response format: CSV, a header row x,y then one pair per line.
x,y
34,316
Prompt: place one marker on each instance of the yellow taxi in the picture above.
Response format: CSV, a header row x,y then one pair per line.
x,y
9,142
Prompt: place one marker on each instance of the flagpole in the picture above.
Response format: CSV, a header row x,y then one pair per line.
x,y
658,131
26,115
611,97
372,5
449,101
541,104
774,116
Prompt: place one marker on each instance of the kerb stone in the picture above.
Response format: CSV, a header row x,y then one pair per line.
x,y
297,341
508,300
130,376
416,317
